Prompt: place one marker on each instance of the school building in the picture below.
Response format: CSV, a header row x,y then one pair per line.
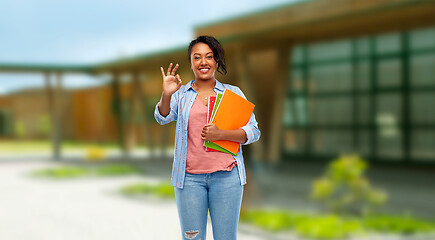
x,y
327,76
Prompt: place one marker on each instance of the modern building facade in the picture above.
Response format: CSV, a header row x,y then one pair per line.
x,y
327,76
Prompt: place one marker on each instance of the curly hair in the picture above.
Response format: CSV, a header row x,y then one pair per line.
x,y
215,46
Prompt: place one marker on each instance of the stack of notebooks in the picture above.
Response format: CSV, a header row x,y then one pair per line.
x,y
228,111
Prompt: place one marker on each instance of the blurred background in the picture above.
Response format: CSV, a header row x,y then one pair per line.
x,y
343,92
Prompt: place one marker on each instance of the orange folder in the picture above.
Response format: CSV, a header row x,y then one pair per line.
x,y
233,113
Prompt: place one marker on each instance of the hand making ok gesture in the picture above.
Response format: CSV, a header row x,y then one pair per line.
x,y
171,82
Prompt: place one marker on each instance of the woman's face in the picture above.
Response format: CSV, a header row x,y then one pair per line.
x,y
202,62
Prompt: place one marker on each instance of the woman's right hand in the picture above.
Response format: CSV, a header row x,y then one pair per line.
x,y
171,82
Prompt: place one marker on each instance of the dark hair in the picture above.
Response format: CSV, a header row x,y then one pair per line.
x,y
215,46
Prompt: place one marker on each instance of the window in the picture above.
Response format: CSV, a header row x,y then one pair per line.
x,y
372,95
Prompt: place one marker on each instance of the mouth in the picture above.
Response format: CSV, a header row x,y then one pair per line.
x,y
204,70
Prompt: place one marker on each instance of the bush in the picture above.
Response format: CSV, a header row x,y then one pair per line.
x,y
333,226
328,227
95,154
64,172
395,224
74,172
164,190
116,170
270,220
344,190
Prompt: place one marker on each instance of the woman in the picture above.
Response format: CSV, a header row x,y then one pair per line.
x,y
204,181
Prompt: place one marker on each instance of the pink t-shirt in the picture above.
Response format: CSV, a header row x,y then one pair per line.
x,y
198,160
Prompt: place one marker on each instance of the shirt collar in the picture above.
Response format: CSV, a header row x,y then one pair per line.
x,y
218,86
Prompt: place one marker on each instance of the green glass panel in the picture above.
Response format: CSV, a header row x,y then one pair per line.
x,y
389,144
288,113
297,54
362,47
422,39
334,142
389,109
390,73
329,50
364,113
331,77
422,108
388,118
423,142
422,70
363,73
331,111
363,147
389,43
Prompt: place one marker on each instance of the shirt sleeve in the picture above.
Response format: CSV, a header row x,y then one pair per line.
x,y
251,128
173,112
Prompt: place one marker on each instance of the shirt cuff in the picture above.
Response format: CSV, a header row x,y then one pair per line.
x,y
159,118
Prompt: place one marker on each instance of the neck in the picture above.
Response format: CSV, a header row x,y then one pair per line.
x,y
205,84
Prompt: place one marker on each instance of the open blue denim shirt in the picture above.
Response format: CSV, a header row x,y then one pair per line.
x,y
181,102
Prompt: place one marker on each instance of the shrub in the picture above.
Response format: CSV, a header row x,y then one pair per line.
x,y
95,154
164,190
73,172
333,226
343,189
396,224
328,227
116,170
64,172
269,220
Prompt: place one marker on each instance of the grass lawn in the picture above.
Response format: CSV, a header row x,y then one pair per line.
x,y
332,226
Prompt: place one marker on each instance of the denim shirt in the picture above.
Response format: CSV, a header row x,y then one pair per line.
x,y
181,103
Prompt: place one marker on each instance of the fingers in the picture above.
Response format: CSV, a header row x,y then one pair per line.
x,y
169,70
175,69
163,72
203,134
178,78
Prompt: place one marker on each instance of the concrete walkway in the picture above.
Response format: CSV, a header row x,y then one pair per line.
x,y
85,209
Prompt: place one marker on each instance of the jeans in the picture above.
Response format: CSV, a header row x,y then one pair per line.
x,y
218,192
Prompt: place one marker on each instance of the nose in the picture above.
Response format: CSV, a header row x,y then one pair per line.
x,y
203,61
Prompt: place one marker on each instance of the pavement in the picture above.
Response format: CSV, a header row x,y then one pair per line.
x,y
82,209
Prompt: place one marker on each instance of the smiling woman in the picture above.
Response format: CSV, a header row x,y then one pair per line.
x,y
204,180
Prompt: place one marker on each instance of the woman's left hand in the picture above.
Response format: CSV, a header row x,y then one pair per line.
x,y
210,132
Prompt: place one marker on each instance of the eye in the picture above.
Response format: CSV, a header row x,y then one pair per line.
x,y
209,57
195,57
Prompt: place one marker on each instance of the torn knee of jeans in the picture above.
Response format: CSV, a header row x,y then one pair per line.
x,y
191,234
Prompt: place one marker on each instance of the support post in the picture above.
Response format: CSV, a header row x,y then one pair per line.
x,y
52,112
54,98
143,104
247,87
118,110
275,138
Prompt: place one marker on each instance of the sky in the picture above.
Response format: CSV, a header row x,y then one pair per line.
x,y
92,31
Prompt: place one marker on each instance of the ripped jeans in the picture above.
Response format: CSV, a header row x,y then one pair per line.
x,y
218,192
